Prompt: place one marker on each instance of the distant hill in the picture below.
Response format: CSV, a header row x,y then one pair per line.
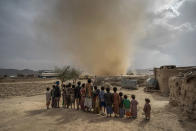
x,y
14,72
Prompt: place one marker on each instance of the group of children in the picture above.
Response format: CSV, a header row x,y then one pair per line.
x,y
89,98
53,95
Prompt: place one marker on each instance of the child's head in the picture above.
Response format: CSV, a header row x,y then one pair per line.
x,y
53,86
133,97
73,86
114,89
47,88
79,83
57,82
69,84
89,80
63,85
147,100
108,89
125,96
83,85
102,88
120,94
95,87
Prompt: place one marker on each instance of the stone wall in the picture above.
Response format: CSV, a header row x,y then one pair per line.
x,y
183,93
175,85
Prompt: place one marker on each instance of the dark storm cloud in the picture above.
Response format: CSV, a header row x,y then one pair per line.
x,y
20,46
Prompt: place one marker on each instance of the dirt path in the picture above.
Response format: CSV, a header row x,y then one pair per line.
x,y
29,113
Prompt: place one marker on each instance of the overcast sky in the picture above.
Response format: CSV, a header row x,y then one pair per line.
x,y
169,36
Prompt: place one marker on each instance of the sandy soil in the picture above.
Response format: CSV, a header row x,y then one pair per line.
x,y
24,88
20,113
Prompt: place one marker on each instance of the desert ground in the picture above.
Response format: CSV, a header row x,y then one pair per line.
x,y
22,108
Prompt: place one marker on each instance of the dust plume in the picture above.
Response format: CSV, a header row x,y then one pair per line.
x,y
97,35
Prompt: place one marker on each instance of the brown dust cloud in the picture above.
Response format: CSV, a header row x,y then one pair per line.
x,y
97,35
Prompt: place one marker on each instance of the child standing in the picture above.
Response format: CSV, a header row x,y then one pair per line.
x,y
88,99
97,103
53,96
115,102
77,94
67,95
147,109
64,96
94,97
48,97
121,110
102,101
72,96
134,104
57,94
82,93
126,104
108,102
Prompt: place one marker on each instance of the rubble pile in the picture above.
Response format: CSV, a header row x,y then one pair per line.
x,y
111,80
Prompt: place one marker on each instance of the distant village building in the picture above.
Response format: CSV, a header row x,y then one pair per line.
x,y
163,74
179,83
48,74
